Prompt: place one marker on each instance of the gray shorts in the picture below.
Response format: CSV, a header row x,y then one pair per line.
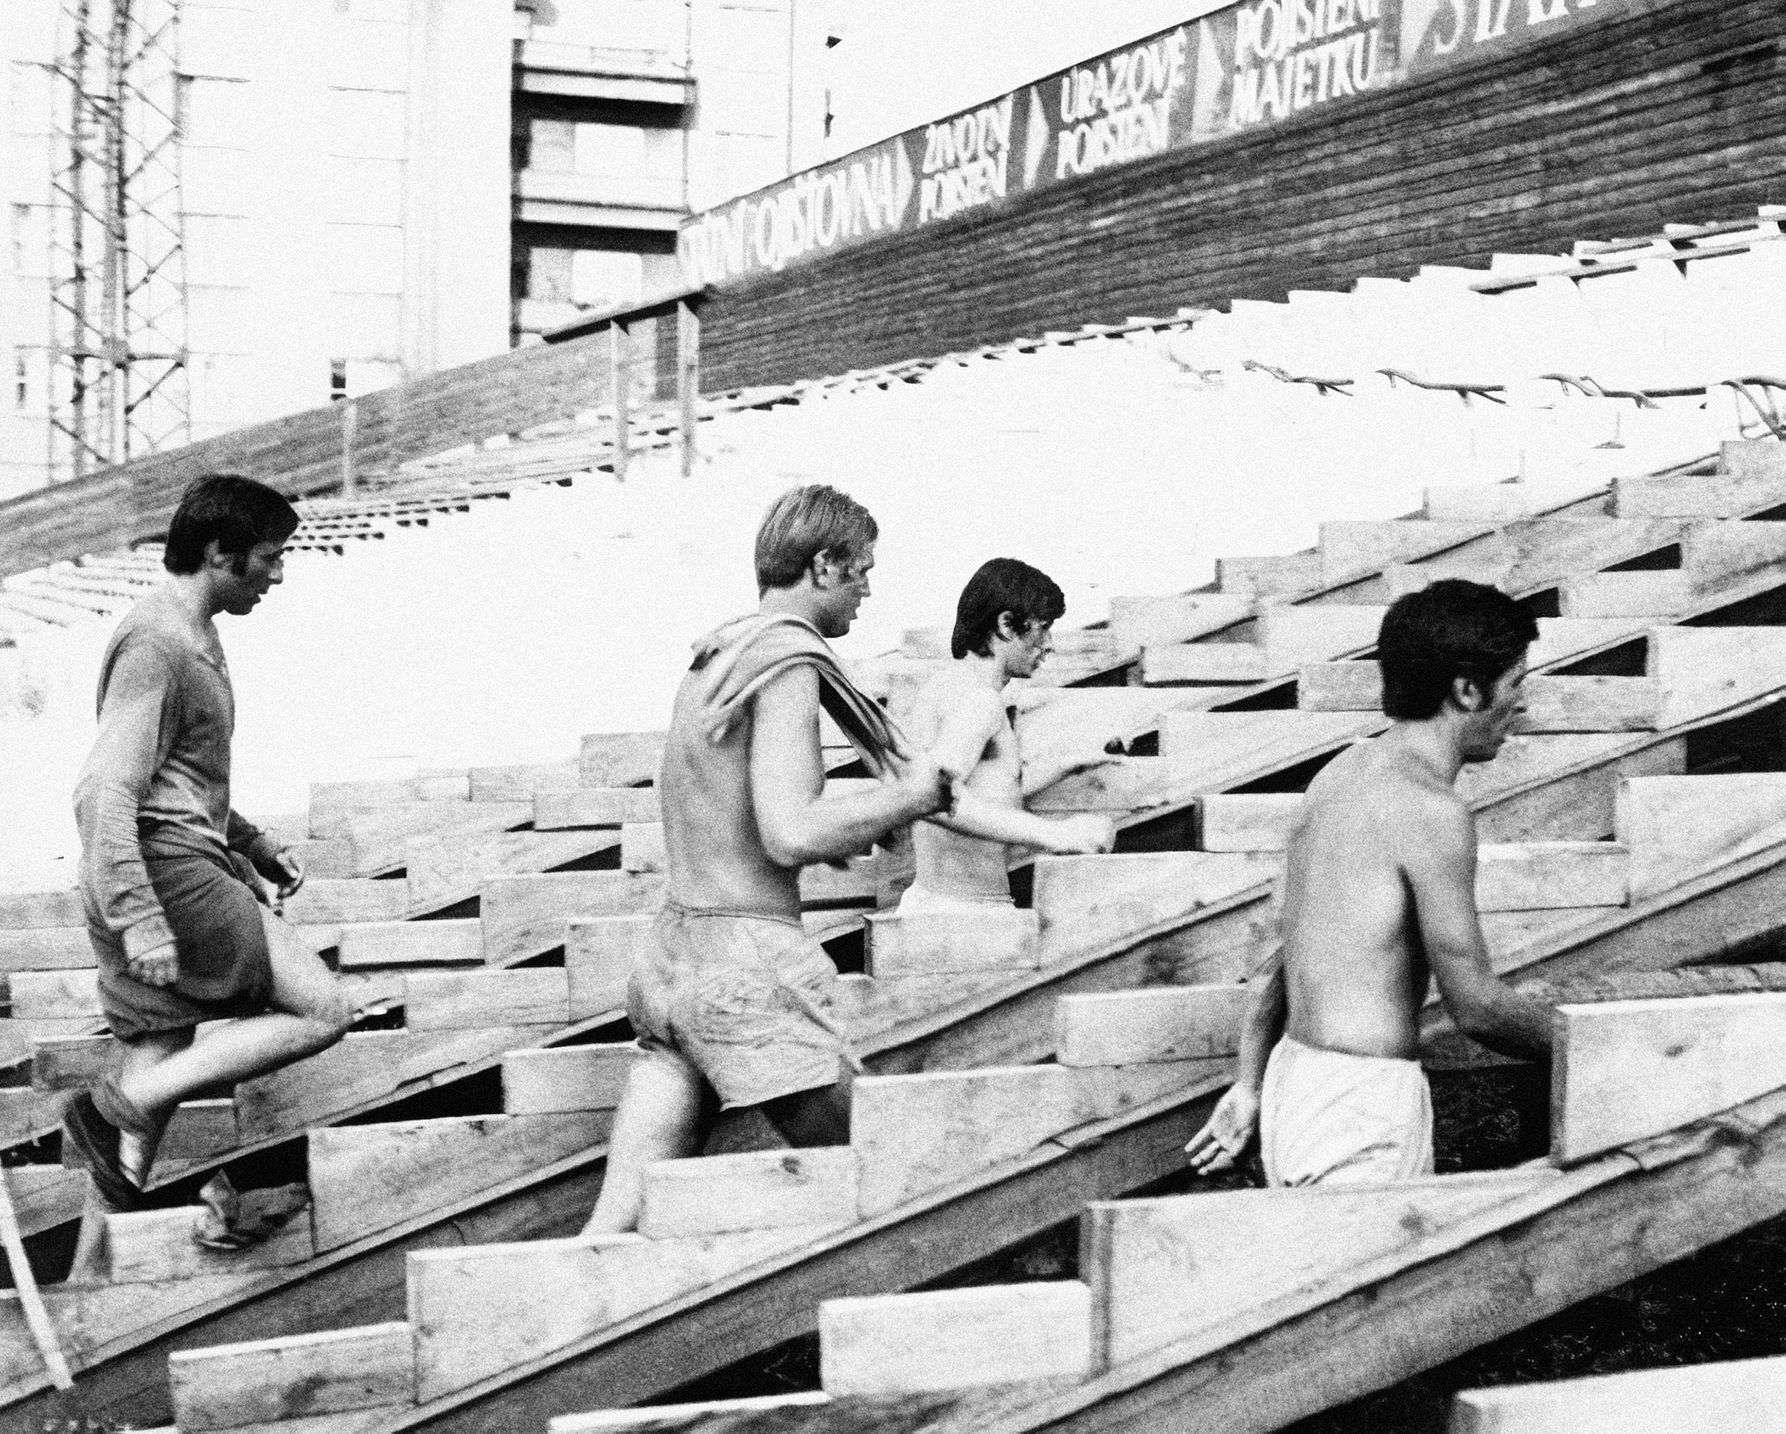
x,y
223,966
747,1000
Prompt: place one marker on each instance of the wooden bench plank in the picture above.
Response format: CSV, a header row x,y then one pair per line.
x,y
526,915
882,1345
1727,1394
565,1078
411,943
460,1000
1164,1268
1166,1023
1624,1070
365,1178
620,759
232,1385
145,1246
750,1190
596,807
1676,827
997,939
599,953
1537,876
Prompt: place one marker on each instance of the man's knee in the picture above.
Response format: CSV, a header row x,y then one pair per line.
x,y
329,1015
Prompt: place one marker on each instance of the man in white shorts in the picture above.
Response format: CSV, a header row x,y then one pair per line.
x,y
1379,896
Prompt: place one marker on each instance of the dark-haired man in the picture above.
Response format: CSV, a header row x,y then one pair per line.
x,y
1378,896
732,1002
1003,630
171,877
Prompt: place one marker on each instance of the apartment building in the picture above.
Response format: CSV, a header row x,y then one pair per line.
x,y
373,189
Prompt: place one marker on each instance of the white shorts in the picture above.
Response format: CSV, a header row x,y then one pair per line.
x,y
1333,1118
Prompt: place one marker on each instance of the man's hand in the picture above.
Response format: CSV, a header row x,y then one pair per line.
x,y
288,873
930,787
1219,1144
155,967
1088,833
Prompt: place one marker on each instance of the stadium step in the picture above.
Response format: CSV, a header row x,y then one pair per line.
x,y
1727,1394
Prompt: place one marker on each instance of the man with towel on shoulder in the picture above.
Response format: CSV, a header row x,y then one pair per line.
x,y
1379,898
732,1004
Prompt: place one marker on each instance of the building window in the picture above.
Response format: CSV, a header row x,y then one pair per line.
x,y
610,149
603,278
21,384
337,380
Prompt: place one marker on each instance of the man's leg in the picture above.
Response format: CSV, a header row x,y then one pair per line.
x,y
665,1113
308,1012
813,1117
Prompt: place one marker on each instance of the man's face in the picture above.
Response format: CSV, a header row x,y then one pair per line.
x,y
250,575
847,585
1029,648
1487,728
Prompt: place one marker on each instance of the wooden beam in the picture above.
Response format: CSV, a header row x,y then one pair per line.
x,y
669,1418
1087,901
1726,1394
596,807
324,902
1352,547
44,948
751,1190
1162,1270
369,1177
620,759
599,952
54,995
524,782
642,846
1269,576
447,867
1623,1070
458,1000
1659,593
146,1246
565,1078
1536,876
268,1380
411,943
331,800
24,1280
1249,821
20,910
996,939
1702,670
1139,622
917,1132
688,381
477,1311
1676,827
882,1345
1166,1023
524,916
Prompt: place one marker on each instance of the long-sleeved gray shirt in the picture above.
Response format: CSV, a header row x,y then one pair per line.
x,y
160,763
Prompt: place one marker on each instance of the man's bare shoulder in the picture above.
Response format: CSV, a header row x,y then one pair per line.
x,y
954,692
1372,779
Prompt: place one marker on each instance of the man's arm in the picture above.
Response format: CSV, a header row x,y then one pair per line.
x,y
276,864
787,779
1236,1117
136,729
1440,866
974,718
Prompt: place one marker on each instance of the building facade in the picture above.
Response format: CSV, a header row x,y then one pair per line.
x,y
373,189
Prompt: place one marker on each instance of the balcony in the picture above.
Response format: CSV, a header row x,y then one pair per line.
x,y
642,76
599,200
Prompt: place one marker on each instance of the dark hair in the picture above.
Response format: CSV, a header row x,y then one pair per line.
x,y
234,511
1449,630
1002,585
805,522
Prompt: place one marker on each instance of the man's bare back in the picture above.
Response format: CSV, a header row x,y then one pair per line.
x,y
1353,957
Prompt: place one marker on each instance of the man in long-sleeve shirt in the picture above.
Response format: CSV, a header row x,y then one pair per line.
x,y
170,874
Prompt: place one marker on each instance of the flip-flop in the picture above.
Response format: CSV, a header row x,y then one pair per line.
x,y
96,1140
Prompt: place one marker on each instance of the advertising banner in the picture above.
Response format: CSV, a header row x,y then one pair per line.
x,y
1250,65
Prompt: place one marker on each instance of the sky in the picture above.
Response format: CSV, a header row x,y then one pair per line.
x,y
904,64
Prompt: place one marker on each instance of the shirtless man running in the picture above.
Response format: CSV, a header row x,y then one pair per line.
x,y
1003,629
732,1001
174,881
1378,896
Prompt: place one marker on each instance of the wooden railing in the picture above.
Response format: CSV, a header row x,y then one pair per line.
x,y
326,449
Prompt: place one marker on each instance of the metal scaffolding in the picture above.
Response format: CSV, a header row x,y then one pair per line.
x,y
118,291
